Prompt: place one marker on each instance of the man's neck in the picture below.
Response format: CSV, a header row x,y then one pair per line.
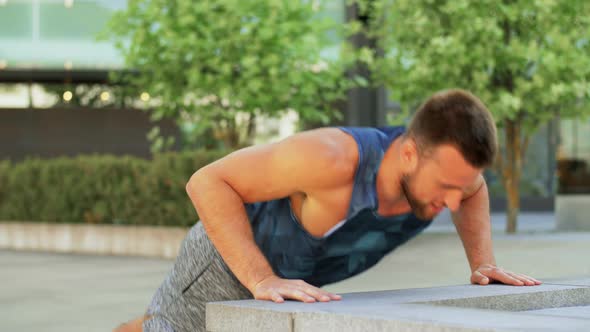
x,y
389,176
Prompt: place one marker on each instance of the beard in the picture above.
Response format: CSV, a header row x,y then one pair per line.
x,y
420,209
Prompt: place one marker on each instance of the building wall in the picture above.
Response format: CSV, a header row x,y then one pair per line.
x,y
50,133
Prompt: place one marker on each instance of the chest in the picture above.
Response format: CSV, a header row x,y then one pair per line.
x,y
320,212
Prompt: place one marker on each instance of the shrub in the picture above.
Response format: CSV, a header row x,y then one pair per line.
x,y
102,189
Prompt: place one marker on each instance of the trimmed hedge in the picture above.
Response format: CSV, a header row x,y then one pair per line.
x,y
102,189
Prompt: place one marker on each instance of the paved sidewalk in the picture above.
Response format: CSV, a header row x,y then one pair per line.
x,y
57,292
538,222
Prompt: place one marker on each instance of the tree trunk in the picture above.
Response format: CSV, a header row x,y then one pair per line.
x,y
513,208
232,135
225,130
516,142
251,130
512,170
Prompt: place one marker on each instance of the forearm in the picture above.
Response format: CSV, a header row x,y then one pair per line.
x,y
224,217
472,221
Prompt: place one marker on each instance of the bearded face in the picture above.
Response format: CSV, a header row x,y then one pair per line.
x,y
422,210
439,180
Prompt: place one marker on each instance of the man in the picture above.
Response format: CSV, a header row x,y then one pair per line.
x,y
280,220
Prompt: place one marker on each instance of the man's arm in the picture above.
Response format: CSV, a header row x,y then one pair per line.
x,y
472,221
302,163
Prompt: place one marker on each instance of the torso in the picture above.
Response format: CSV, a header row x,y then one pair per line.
x,y
320,211
346,220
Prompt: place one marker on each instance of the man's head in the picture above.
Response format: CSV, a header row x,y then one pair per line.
x,y
450,140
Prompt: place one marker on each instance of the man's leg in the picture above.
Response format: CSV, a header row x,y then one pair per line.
x,y
199,276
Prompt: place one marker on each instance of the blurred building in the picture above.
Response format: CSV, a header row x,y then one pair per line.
x,y
55,94
49,56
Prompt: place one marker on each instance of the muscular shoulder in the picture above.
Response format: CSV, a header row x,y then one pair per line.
x,y
310,161
331,153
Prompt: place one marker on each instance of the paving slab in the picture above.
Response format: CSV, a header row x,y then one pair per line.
x,y
433,319
457,308
573,312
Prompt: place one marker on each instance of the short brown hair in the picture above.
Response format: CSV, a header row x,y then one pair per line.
x,y
458,118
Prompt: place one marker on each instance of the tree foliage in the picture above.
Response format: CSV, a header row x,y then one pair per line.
x,y
206,61
527,60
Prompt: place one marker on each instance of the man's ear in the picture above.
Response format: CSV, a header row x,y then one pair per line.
x,y
409,155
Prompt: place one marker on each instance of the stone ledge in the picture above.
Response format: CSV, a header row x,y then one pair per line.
x,y
523,301
423,309
151,241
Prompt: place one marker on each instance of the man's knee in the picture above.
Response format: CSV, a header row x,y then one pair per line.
x,y
133,325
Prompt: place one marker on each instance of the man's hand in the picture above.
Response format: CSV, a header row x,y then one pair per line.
x,y
277,289
488,273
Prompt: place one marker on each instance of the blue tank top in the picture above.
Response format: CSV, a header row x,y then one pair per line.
x,y
362,239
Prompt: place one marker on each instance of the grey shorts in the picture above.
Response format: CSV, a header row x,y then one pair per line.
x,y
199,276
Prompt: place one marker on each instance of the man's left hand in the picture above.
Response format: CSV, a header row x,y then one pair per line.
x,y
488,273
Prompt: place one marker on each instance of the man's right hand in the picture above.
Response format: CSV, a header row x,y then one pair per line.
x,y
277,289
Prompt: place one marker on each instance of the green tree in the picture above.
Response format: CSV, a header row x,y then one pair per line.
x,y
204,62
527,60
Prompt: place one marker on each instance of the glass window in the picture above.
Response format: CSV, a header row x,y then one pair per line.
x,y
81,21
16,20
57,34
